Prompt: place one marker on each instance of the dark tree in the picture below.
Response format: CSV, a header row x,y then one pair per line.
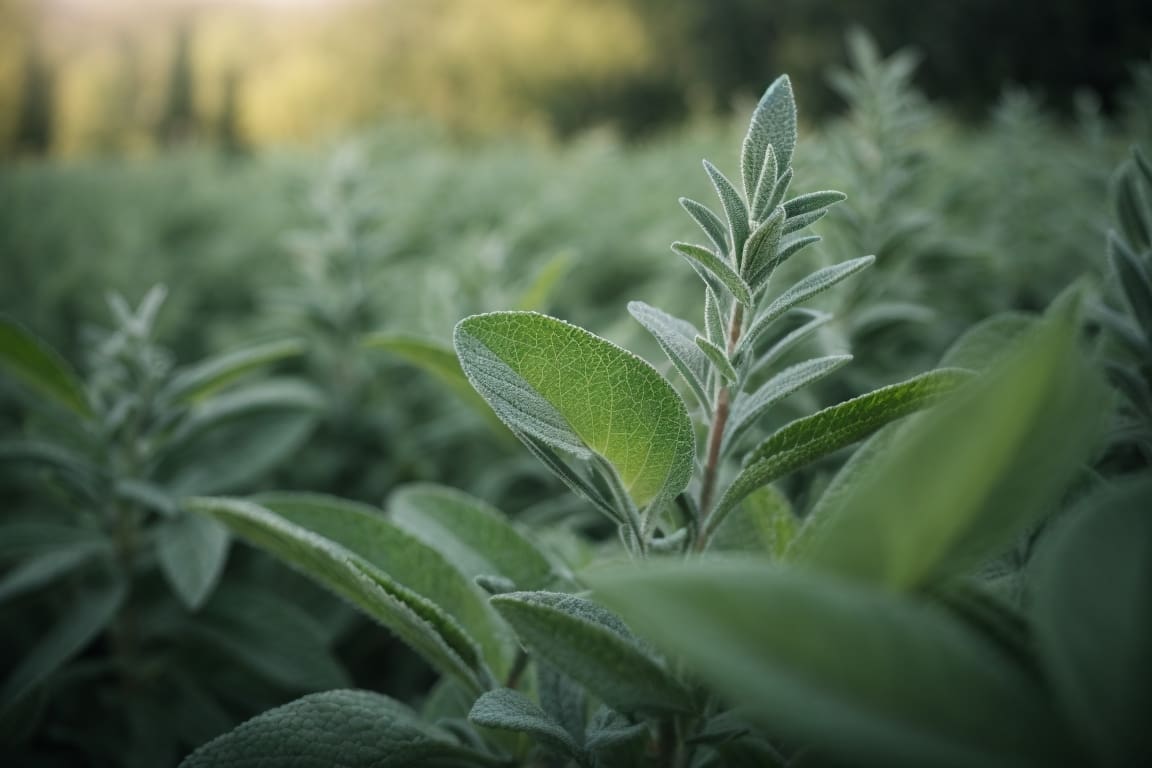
x,y
178,120
35,117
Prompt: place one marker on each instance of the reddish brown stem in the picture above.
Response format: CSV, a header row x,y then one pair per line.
x,y
719,422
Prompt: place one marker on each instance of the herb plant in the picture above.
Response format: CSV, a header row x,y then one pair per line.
x,y
112,582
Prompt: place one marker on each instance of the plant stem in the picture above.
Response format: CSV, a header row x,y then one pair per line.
x,y
719,422
518,666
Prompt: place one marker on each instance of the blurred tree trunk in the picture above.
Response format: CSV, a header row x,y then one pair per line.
x,y
35,122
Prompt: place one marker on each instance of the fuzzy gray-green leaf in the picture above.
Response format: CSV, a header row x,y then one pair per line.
x,y
587,643
676,337
38,366
350,729
709,222
748,407
719,360
734,210
762,250
719,268
773,124
805,440
511,710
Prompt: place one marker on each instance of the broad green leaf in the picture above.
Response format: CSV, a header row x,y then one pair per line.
x,y
407,560
38,366
270,635
811,202
434,357
718,358
425,627
761,249
815,283
748,407
350,729
209,376
1134,281
773,125
718,268
192,550
50,565
965,480
81,623
593,647
734,210
511,710
857,673
807,439
1093,620
471,535
676,337
709,222
581,394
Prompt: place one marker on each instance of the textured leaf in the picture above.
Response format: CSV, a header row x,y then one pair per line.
x,y
802,220
858,673
272,636
713,322
813,201
963,481
581,394
761,250
209,376
406,559
815,283
511,710
1093,620
718,268
709,222
773,124
415,620
71,634
779,189
677,338
718,359
786,249
350,729
562,698
807,439
790,340
734,210
192,550
474,537
763,523
749,407
1132,213
764,184
38,366
593,647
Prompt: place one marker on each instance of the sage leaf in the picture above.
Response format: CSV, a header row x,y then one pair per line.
x,y
424,626
581,394
210,376
718,358
773,125
351,729
405,558
718,268
735,211
192,550
477,539
676,338
709,222
966,479
511,710
912,687
38,366
593,647
807,439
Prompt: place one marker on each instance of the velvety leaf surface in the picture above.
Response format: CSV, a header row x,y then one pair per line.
x,y
580,393
192,550
350,729
511,710
593,647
